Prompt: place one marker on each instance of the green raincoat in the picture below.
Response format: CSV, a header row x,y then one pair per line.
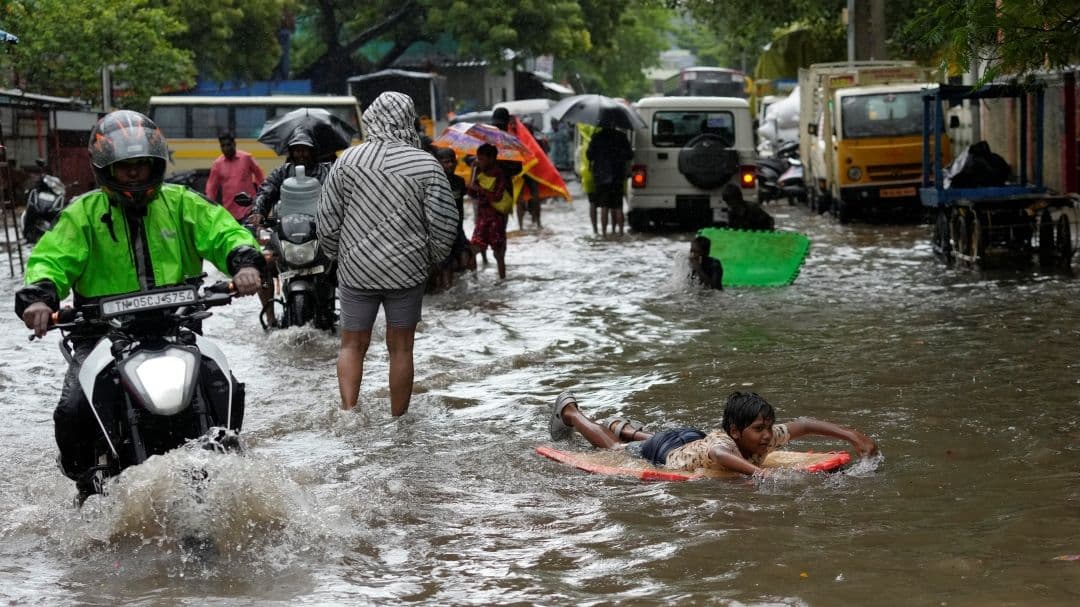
x,y
90,249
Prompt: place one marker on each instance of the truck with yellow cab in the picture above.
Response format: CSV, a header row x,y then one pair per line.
x,y
860,136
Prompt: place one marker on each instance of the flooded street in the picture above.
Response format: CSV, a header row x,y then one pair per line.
x,y
968,381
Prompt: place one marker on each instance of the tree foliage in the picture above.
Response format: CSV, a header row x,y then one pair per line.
x,y
335,31
1005,36
64,45
231,39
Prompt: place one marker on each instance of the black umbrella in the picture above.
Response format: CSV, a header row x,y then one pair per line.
x,y
330,132
596,110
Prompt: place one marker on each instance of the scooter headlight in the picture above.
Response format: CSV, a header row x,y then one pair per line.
x,y
299,254
163,381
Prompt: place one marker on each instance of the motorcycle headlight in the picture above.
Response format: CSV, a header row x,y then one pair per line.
x,y
163,381
299,254
854,173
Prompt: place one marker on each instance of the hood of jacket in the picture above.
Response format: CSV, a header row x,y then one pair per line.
x,y
391,118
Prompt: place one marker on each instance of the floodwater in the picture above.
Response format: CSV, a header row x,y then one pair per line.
x,y
969,382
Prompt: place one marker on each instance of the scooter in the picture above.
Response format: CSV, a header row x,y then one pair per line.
x,y
781,176
306,274
153,381
44,202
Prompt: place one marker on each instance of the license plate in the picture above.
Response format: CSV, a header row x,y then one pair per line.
x,y
147,301
897,192
287,274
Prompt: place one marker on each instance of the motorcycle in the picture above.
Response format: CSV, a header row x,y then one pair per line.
x,y
153,381
43,205
781,176
307,276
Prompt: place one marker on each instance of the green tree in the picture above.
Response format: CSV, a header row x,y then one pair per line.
x,y
230,39
64,45
626,37
334,32
1005,36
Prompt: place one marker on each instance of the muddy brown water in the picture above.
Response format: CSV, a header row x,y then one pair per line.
x,y
969,381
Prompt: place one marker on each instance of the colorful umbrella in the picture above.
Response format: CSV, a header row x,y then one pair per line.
x,y
465,137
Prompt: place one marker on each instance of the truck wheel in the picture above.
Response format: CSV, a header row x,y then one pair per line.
x,y
706,161
637,220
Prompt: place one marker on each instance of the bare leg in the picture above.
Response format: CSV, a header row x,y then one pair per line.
x,y
603,220
500,259
266,296
598,435
592,217
350,365
617,220
520,208
399,343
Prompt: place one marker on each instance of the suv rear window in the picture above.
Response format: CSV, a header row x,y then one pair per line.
x,y
673,129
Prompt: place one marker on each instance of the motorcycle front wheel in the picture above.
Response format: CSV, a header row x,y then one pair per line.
x,y
301,309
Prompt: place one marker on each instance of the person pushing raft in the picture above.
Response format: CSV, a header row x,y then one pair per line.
x,y
747,435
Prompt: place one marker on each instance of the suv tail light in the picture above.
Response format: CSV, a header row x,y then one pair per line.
x,y
639,176
747,176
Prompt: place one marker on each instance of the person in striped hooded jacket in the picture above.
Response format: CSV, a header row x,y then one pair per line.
x,y
387,216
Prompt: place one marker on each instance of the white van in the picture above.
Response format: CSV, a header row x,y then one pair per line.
x,y
689,149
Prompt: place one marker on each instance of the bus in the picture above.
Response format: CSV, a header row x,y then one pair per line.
x,y
191,125
708,82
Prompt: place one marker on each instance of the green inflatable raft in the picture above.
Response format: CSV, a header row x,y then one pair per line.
x,y
754,258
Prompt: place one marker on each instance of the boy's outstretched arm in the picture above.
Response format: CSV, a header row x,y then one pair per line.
x,y
804,426
722,459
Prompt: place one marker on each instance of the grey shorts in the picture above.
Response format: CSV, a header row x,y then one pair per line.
x,y
360,306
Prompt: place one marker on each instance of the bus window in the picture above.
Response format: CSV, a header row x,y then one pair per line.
x,y
249,121
209,121
171,119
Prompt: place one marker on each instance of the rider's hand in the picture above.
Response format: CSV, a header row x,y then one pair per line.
x,y
37,317
255,219
247,281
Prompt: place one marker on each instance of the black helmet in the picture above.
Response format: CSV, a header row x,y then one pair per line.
x,y
125,135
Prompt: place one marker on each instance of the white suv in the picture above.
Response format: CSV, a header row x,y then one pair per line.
x,y
690,148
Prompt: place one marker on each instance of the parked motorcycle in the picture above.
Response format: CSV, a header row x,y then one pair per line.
x,y
781,176
153,381
44,202
306,274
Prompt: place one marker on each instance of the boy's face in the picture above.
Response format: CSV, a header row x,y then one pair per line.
x,y
447,164
484,161
755,438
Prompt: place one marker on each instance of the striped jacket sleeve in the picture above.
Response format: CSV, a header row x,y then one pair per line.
x,y
441,214
331,213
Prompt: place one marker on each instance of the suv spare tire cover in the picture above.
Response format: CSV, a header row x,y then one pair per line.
x,y
707,162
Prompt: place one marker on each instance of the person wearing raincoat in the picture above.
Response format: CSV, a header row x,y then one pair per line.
x,y
387,216
133,233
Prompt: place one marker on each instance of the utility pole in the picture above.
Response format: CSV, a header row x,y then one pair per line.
x,y
866,31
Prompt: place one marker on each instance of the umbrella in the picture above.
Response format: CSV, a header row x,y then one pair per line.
x,y
330,132
596,110
465,137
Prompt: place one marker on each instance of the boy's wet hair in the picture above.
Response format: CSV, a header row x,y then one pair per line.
x,y
487,150
224,136
742,408
445,154
702,243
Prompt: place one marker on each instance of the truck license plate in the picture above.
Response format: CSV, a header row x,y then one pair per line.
x,y
897,192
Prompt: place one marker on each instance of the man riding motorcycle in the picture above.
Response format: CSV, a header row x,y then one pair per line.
x,y
133,233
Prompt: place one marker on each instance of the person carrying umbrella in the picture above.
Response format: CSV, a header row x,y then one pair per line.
x,y
609,154
301,152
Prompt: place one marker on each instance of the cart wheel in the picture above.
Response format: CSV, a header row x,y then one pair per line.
x,y
1046,239
941,240
978,238
960,230
1063,241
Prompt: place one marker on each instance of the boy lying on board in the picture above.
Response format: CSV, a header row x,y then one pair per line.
x,y
747,435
